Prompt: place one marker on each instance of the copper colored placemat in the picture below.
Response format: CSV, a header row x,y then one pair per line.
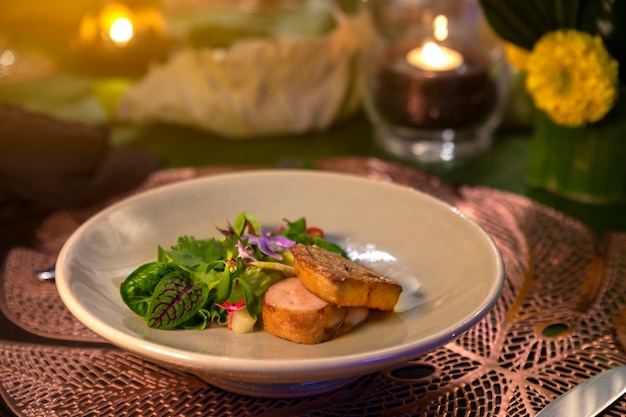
x,y
552,327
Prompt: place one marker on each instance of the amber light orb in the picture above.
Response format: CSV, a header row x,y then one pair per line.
x,y
122,36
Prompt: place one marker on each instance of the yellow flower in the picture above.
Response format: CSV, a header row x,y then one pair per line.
x,y
572,77
516,56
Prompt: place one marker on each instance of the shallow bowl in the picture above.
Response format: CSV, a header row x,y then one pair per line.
x,y
450,270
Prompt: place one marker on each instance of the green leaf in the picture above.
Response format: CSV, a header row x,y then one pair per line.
x,y
138,287
175,300
191,252
296,228
244,221
511,23
163,255
225,286
606,19
568,12
198,321
523,22
252,303
210,313
325,244
209,273
296,231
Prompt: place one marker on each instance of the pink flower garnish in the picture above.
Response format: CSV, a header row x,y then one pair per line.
x,y
244,254
231,308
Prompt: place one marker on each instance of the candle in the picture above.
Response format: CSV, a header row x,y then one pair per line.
x,y
119,36
413,95
111,25
433,57
431,94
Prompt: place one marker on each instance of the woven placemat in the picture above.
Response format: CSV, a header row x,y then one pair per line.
x,y
552,327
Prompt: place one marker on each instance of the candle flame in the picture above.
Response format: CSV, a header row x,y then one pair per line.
x,y
440,27
121,31
433,57
431,53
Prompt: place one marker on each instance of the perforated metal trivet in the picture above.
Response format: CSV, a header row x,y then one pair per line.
x,y
553,326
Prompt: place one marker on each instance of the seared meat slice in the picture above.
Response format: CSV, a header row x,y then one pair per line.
x,y
291,312
343,282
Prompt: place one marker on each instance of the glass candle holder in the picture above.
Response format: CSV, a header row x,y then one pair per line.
x,y
435,79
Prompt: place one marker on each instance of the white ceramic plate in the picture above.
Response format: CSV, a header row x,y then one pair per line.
x,y
450,270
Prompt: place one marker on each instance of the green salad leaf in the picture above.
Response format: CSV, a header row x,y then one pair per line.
x,y
191,252
138,288
176,299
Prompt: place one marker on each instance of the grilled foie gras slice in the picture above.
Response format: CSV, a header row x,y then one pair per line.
x,y
291,312
343,282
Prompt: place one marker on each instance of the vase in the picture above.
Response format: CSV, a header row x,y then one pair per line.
x,y
586,164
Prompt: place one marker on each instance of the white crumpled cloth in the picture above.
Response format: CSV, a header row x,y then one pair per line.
x,y
258,87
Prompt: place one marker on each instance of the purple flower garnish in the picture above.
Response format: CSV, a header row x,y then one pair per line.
x,y
270,245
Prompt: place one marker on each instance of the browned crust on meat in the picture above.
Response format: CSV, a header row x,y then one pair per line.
x,y
343,282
